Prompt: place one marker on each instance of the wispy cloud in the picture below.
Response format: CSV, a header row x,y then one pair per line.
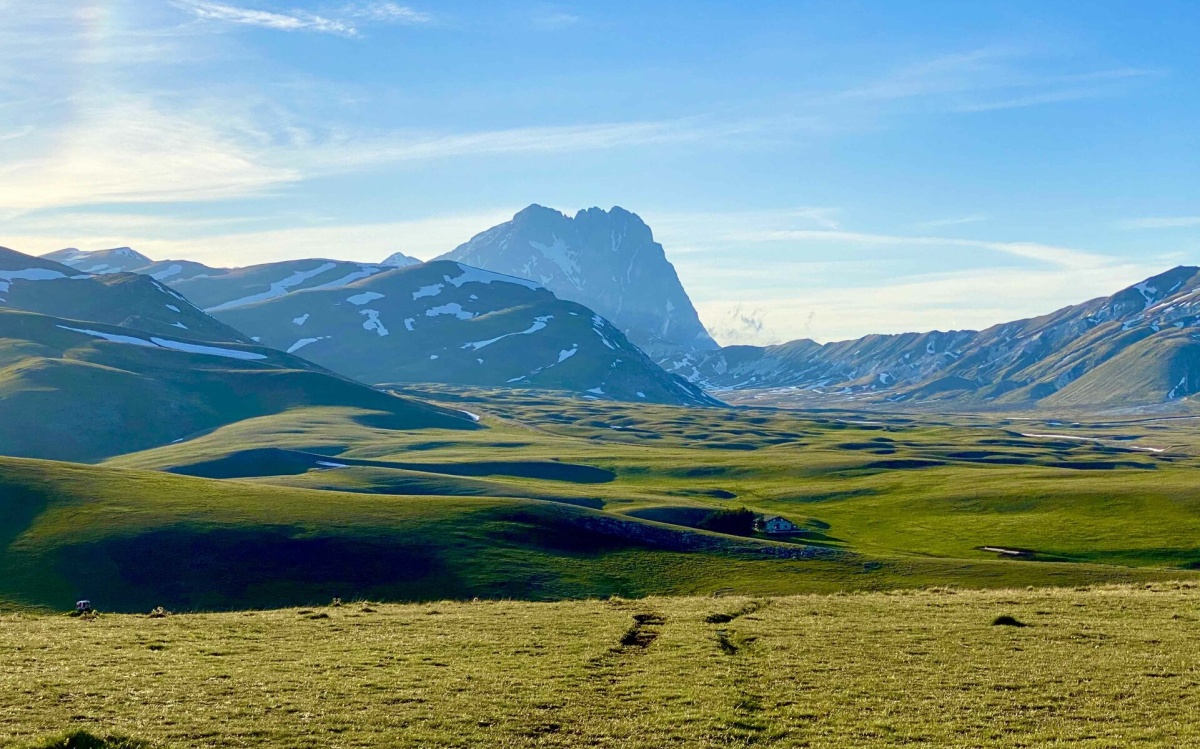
x,y
294,21
350,151
388,13
1059,256
959,221
1160,222
555,20
344,22
126,150
992,78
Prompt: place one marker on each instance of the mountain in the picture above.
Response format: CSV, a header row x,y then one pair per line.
x,y
127,300
224,288
399,260
605,260
116,260
1140,346
95,366
450,323
17,267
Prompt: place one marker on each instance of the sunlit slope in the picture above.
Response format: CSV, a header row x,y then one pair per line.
x,y
894,486
131,540
83,391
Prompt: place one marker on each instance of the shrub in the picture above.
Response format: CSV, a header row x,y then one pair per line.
x,y
739,522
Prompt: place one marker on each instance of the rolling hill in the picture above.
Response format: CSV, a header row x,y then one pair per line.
x,y
75,390
605,260
450,323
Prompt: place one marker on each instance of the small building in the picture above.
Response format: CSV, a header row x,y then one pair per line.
x,y
779,524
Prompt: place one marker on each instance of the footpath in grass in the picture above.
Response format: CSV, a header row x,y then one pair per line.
x,y
1093,667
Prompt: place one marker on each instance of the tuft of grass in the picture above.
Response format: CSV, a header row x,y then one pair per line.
x,y
86,740
1004,620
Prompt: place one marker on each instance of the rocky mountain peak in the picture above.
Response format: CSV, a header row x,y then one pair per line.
x,y
606,260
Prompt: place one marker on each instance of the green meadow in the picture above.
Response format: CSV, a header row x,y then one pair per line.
x,y
555,498
551,578
1090,667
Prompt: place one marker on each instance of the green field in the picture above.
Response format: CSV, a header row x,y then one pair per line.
x,y
557,498
1099,667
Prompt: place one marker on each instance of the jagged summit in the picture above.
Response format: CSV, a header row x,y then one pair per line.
x,y
606,260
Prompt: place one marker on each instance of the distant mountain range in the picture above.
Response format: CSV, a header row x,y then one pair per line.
x,y
447,322
1140,346
1135,348
605,260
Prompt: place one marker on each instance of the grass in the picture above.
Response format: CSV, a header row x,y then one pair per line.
x,y
1099,667
558,498
879,485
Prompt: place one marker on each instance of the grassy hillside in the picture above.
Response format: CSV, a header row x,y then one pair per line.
x,y
893,487
127,300
131,540
1097,667
68,393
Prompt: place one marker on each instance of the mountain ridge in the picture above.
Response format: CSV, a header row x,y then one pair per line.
x,y
605,260
1018,362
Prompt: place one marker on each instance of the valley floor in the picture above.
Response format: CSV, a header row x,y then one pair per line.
x,y
1103,666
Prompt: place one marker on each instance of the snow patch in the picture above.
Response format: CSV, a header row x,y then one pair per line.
x,y
301,319
559,253
539,323
564,355
432,290
474,417
373,322
454,308
304,342
475,275
359,300
190,348
364,271
30,274
165,273
277,289
410,323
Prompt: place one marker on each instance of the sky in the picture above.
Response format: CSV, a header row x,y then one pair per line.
x,y
817,170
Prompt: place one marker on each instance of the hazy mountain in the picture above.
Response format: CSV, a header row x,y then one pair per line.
x,y
605,260
116,260
224,288
1139,346
399,260
450,323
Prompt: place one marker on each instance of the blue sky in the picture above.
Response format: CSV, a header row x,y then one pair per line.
x,y
814,169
